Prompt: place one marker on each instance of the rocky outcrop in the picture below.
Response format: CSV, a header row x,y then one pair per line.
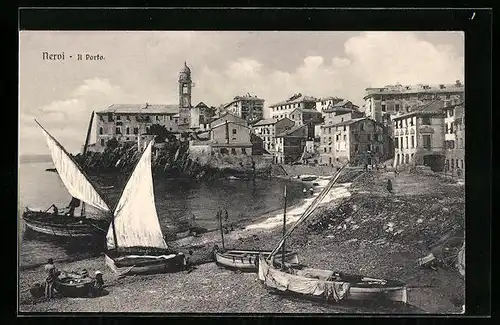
x,y
172,159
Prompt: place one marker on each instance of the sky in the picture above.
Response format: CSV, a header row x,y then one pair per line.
x,y
143,66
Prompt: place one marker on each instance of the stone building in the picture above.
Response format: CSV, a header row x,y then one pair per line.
x,y
383,103
419,136
332,116
127,122
454,138
357,140
248,107
200,117
308,117
227,117
267,129
290,144
283,109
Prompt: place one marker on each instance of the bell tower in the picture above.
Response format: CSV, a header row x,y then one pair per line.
x,y
185,86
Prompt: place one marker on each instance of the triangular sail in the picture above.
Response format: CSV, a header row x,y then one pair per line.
x,y
76,181
136,222
308,211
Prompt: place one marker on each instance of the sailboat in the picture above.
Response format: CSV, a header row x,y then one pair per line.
x,y
135,243
325,285
81,187
245,260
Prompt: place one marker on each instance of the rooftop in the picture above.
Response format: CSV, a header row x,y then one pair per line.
x,y
415,89
141,109
297,98
433,107
307,110
246,97
266,121
348,122
288,132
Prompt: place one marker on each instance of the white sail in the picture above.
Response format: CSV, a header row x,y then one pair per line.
x,y
135,219
76,182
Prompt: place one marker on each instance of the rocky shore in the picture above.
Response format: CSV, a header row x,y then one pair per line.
x,y
360,228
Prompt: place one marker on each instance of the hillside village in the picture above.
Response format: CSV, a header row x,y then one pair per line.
x,y
398,125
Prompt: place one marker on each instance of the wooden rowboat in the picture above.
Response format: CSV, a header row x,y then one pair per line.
x,y
74,287
248,260
64,226
328,285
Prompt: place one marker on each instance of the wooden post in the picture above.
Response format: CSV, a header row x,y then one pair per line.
x,y
221,229
284,231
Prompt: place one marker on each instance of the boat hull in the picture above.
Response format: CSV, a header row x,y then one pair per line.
x,y
248,260
146,264
63,226
316,284
79,288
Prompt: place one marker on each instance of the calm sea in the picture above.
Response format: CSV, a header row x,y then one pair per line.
x,y
176,202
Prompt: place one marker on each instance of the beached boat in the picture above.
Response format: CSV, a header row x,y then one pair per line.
x,y
82,189
327,285
135,243
248,260
74,285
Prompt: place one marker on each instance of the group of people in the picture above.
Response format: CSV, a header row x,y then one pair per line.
x,y
73,204
52,276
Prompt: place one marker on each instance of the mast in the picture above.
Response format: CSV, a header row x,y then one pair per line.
x,y
84,153
284,232
220,226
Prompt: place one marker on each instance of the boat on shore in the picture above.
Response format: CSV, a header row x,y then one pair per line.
x,y
248,260
325,285
135,242
63,224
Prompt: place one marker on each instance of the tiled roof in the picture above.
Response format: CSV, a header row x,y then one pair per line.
x,y
296,99
290,131
141,109
229,122
328,98
266,121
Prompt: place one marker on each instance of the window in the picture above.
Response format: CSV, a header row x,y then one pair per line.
x,y
406,142
102,142
118,117
157,117
401,143
127,130
293,116
244,151
396,143
118,130
453,164
101,130
325,149
136,130
170,117
426,120
457,163
397,107
147,129
329,139
330,149
427,141
337,137
462,163
383,108
234,131
345,127
412,141
411,121
128,117
355,148
110,117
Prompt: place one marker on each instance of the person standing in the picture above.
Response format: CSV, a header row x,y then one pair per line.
x,y
389,186
52,274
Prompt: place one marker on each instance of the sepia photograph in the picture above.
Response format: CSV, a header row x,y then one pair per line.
x,y
241,172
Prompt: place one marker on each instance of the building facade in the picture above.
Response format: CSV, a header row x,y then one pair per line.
x,y
324,103
267,129
127,122
283,109
230,138
200,116
290,144
454,138
383,103
357,140
248,107
419,136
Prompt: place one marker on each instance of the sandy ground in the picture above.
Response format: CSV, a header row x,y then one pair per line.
x,y
320,243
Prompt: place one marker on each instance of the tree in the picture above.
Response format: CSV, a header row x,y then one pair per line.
x,y
112,143
161,133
